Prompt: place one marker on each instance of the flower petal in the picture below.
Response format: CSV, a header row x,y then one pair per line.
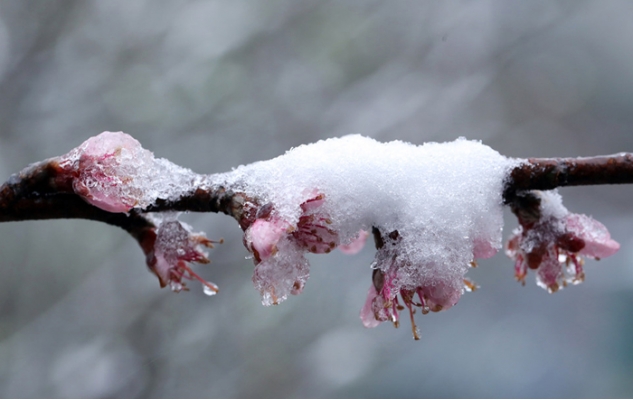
x,y
355,245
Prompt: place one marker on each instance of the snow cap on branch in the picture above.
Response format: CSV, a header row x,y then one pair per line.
x,y
444,201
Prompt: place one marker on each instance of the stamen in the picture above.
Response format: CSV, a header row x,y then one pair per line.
x,y
213,287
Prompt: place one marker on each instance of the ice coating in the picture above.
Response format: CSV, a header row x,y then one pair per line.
x,y
170,247
551,240
114,172
444,199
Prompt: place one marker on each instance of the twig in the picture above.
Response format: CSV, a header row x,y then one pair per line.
x,y
550,173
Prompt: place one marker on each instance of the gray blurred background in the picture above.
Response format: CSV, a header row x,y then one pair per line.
x,y
211,85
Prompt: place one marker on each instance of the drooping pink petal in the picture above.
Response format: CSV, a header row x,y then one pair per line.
x,y
367,315
549,274
483,248
443,295
169,248
598,242
262,236
355,245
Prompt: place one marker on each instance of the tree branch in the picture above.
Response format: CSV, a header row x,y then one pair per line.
x,y
44,191
112,179
550,173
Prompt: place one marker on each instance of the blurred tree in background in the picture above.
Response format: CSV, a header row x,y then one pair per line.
x,y
214,84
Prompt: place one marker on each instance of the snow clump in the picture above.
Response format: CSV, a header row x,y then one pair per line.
x,y
440,203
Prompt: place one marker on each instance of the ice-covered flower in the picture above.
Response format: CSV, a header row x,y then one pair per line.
x,y
278,247
105,168
355,245
114,172
169,248
551,240
389,293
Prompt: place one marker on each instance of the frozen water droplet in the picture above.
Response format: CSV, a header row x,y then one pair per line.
x,y
180,252
248,257
208,291
175,286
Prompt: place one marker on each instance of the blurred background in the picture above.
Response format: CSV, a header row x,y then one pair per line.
x,y
211,85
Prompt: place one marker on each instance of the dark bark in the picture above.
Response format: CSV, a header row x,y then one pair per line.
x,y
550,173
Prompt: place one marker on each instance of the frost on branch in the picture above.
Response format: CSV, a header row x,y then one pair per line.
x,y
551,240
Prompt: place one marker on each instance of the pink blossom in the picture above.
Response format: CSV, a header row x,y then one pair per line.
x,y
355,245
552,242
311,232
104,168
387,295
169,248
262,236
278,247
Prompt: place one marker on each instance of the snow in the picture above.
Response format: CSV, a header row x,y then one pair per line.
x,y
551,204
444,199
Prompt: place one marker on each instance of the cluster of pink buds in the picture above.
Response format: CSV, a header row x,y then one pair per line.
x,y
551,241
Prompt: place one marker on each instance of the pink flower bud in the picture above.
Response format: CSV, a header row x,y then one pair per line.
x,y
105,168
262,236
